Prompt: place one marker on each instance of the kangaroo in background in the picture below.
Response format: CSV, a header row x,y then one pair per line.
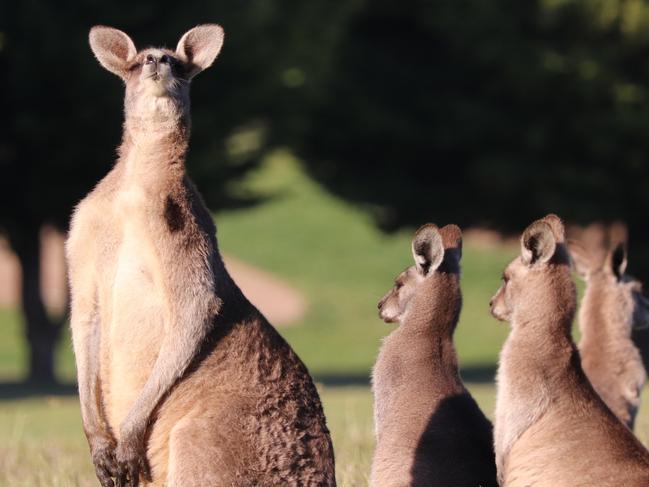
x,y
182,381
551,427
429,430
612,305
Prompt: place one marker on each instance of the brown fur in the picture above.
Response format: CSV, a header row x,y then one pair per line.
x,y
429,430
612,304
182,381
551,428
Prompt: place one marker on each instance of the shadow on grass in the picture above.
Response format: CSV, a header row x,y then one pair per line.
x,y
479,373
476,374
26,390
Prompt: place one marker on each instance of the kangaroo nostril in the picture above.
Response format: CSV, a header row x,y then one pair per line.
x,y
380,305
491,303
149,59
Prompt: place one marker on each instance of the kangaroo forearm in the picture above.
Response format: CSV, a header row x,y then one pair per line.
x,y
177,351
85,339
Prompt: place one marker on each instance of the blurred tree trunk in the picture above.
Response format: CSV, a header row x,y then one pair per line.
x,y
42,332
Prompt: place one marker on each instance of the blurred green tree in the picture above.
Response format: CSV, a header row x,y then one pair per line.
x,y
488,113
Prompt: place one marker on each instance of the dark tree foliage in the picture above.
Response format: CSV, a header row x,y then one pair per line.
x,y
491,113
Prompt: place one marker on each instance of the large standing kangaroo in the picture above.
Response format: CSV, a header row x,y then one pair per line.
x,y
551,427
182,381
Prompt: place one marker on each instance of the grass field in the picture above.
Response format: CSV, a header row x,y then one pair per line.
x,y
41,443
333,253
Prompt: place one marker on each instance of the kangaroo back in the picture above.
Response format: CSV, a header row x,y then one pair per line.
x,y
429,429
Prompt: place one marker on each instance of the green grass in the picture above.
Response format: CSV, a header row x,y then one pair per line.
x,y
41,443
12,350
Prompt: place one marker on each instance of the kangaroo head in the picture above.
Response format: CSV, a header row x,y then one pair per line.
x,y
157,79
436,252
607,279
539,279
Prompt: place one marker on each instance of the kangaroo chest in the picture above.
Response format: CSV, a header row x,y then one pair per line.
x,y
136,310
139,275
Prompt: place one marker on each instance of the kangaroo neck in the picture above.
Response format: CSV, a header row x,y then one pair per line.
x,y
602,322
430,335
544,339
154,146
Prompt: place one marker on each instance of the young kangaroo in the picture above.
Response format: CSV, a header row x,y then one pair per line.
x,y
612,304
429,430
551,428
182,381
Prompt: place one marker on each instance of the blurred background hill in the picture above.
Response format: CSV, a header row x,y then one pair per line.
x,y
330,131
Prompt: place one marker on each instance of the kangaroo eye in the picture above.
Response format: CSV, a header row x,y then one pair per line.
x,y
149,59
164,59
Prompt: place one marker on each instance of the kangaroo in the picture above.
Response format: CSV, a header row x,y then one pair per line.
x,y
551,427
182,381
429,430
612,304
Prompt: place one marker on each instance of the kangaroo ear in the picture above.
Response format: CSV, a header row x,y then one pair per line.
x,y
581,260
452,237
427,249
538,243
557,227
618,259
452,240
199,47
112,48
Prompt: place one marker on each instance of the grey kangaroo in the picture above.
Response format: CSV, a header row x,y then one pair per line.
x,y
612,305
429,430
182,381
551,428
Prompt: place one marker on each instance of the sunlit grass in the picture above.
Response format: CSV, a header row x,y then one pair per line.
x,y
42,444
